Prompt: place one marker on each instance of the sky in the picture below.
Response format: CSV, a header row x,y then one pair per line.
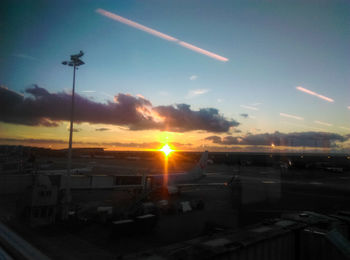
x,y
200,75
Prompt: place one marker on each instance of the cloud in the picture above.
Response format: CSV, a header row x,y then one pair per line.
x,y
145,145
75,130
39,141
136,113
107,95
181,118
102,129
215,139
297,139
14,110
25,56
249,107
322,123
244,115
159,34
196,92
291,116
314,94
23,141
193,77
256,104
88,91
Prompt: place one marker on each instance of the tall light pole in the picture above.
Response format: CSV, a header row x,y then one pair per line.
x,y
74,62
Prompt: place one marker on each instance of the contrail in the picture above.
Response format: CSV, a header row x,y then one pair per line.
x,y
291,116
322,123
159,34
249,107
314,94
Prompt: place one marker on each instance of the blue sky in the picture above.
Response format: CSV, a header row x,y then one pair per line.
x,y
272,47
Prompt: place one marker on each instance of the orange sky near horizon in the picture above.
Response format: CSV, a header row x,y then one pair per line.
x,y
121,139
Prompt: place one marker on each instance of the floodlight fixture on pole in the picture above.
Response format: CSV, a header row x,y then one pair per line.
x,y
74,62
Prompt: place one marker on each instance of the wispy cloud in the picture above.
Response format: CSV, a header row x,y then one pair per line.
x,y
193,77
244,115
291,116
314,94
345,128
322,123
159,34
88,91
196,92
102,129
24,56
256,104
249,107
75,130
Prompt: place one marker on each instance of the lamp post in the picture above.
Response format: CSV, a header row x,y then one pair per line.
x,y
74,62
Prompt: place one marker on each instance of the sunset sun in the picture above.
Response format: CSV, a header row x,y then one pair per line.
x,y
166,149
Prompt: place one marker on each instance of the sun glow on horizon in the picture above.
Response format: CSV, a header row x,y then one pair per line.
x,y
166,149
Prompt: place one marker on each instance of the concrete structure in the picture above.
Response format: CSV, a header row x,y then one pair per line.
x,y
297,236
39,205
19,183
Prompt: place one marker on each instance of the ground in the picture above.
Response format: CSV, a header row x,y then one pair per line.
x,y
263,192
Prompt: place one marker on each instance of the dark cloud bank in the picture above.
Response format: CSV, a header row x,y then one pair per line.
x,y
48,109
102,129
145,145
309,139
